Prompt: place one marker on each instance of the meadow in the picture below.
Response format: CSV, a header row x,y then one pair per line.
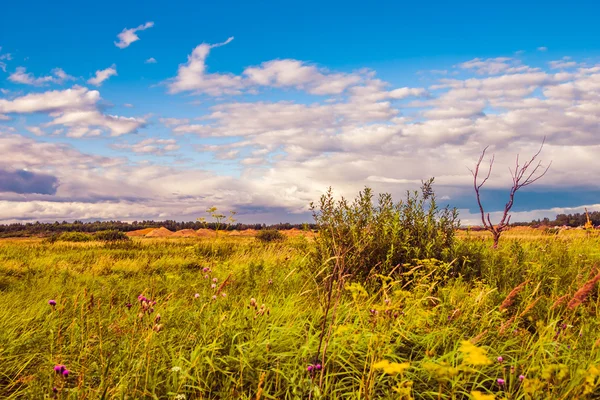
x,y
237,318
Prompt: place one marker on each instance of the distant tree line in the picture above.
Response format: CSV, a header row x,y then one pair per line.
x,y
572,220
45,229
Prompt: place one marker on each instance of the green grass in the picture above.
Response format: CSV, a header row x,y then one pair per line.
x,y
226,349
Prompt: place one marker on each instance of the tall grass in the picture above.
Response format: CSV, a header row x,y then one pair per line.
x,y
232,347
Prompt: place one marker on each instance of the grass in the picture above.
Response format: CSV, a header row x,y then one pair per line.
x,y
232,348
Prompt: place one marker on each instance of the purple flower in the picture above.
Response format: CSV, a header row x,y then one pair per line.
x,y
141,297
128,305
55,390
215,280
52,302
59,368
500,359
309,368
66,373
500,381
197,295
318,367
213,286
214,297
521,377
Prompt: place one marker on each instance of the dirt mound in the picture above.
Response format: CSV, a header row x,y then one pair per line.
x,y
202,232
140,232
234,233
160,232
185,233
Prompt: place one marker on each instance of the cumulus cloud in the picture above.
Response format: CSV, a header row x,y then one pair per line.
x,y
192,76
75,108
150,146
26,78
151,60
102,75
128,36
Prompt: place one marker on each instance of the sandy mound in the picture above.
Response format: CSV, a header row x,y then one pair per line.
x,y
140,232
202,232
234,233
160,232
185,233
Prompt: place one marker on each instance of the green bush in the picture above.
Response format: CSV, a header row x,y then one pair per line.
x,y
111,236
75,237
375,239
270,235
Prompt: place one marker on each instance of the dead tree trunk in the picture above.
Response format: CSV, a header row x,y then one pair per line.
x,y
522,176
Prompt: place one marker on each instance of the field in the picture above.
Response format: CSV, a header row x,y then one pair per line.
x,y
235,318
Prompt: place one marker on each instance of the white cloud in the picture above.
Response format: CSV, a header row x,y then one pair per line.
x,y
128,36
102,75
76,108
192,76
36,130
542,48
151,60
150,146
22,76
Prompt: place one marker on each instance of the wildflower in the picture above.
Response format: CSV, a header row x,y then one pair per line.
x,y
215,280
391,368
500,359
223,294
206,276
318,367
270,281
157,327
180,397
176,369
213,286
473,355
197,295
253,302
521,378
128,305
205,269
66,373
142,298
500,381
157,318
52,302
59,368
214,297
309,368
55,390
480,396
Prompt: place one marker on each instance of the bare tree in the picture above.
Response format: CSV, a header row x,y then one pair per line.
x,y
523,175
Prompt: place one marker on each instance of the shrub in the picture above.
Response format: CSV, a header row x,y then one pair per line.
x,y
366,238
75,237
270,235
111,236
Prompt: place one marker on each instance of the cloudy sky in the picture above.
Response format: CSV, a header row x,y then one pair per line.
x,y
139,110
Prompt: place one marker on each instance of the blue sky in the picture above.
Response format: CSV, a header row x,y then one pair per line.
x,y
301,97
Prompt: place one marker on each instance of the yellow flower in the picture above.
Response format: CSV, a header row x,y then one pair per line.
x,y
480,396
473,355
391,368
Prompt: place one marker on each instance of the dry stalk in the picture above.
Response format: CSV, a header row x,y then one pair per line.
x,y
510,299
583,292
